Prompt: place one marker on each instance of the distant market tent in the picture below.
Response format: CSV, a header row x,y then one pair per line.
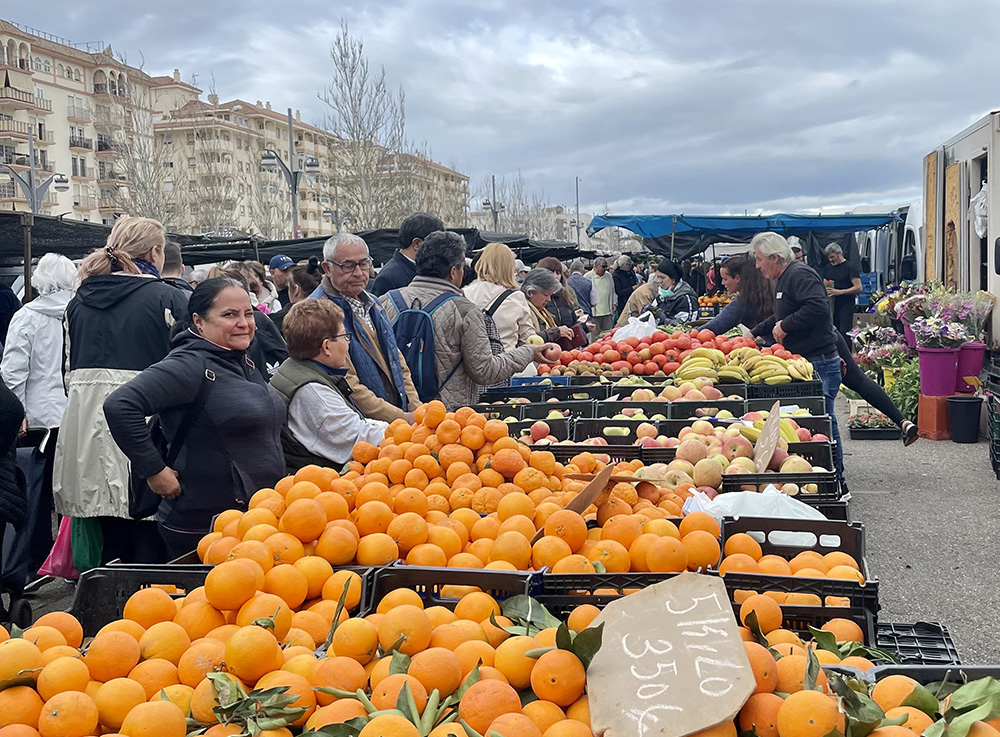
x,y
683,236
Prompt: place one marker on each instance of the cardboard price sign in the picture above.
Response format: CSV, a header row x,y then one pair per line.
x,y
767,441
672,661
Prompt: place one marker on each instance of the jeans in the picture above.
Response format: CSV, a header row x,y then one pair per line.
x,y
828,371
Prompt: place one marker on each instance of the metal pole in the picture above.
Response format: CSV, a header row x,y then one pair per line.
x,y
33,193
578,212
493,204
293,182
27,221
673,224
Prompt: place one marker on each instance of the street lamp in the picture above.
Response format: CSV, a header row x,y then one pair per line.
x,y
33,191
493,206
307,167
334,216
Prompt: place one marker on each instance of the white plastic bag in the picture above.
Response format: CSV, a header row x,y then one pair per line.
x,y
979,210
767,503
637,327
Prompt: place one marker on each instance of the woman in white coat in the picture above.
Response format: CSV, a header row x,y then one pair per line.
x,y
32,370
496,290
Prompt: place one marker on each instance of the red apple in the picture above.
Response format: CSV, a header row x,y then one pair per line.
x,y
552,353
804,435
820,438
777,459
737,446
539,430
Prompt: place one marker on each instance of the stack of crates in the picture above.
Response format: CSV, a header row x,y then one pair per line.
x,y
869,285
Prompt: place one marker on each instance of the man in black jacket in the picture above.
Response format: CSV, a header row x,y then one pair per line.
x,y
401,269
173,267
801,321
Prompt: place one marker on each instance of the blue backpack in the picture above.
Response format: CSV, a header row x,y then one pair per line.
x,y
414,331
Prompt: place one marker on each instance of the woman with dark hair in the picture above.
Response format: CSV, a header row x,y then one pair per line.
x,y
755,295
209,397
117,325
670,297
268,349
302,281
563,306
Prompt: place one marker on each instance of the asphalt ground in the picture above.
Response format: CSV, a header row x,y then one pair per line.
x,y
932,519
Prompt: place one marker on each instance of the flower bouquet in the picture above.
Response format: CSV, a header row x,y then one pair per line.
x,y
938,332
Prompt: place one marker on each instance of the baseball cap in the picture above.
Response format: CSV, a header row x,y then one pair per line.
x,y
519,266
281,262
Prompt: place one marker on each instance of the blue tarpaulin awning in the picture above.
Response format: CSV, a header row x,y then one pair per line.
x,y
737,226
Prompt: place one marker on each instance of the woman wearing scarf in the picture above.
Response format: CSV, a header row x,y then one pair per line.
x,y
539,286
668,296
117,325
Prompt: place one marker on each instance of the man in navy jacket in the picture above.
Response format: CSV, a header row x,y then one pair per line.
x,y
401,269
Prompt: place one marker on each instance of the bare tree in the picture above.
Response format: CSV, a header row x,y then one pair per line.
x,y
378,168
270,209
523,211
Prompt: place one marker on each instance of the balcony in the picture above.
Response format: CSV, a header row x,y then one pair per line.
x,y
109,93
14,63
43,166
10,191
110,176
107,204
79,143
106,119
84,175
50,200
84,202
45,138
107,149
17,99
79,113
43,105
14,129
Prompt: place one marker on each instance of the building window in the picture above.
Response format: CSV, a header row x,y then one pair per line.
x,y
168,164
168,185
76,167
69,73
48,65
192,162
61,70
168,138
76,75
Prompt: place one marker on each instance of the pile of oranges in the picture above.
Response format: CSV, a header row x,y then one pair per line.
x,y
455,490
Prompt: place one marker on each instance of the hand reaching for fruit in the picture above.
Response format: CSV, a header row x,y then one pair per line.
x,y
547,353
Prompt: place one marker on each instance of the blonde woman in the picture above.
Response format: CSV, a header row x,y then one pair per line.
x,y
496,290
117,325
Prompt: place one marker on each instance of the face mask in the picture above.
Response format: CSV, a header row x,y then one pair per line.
x,y
664,292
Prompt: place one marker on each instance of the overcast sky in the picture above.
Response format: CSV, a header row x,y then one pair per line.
x,y
659,107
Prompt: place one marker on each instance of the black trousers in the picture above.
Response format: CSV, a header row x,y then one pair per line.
x,y
179,542
131,541
859,381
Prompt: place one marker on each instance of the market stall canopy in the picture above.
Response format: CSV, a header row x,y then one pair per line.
x,y
531,250
683,236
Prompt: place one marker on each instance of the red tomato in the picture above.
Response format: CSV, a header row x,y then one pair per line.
x,y
623,366
656,349
565,358
685,354
726,347
693,333
670,344
642,346
777,347
765,351
706,335
650,368
670,367
632,341
594,348
638,369
660,360
586,355
610,356
683,342
633,358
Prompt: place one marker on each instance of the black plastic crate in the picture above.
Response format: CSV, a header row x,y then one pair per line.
x,y
673,427
815,405
499,393
799,619
994,408
540,410
498,411
573,584
650,455
828,490
700,409
561,429
609,408
429,583
928,674
564,452
577,393
837,511
816,424
819,454
822,536
783,391
585,429
874,433
920,643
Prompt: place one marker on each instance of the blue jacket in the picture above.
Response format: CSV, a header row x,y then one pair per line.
x,y
584,289
365,367
732,314
396,274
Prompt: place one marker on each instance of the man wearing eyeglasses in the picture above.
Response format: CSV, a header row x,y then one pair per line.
x,y
377,374
402,267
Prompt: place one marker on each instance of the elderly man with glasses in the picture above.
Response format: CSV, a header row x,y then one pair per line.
x,y
377,374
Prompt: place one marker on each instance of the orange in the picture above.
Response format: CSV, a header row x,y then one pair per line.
x,y
559,677
115,699
337,712
512,504
543,713
486,700
703,550
580,710
70,714
149,606
548,551
700,521
334,588
510,659
287,582
389,725
476,607
743,543
167,640
203,657
916,720
20,705
406,625
765,669
66,623
792,672
316,570
508,462
155,719
892,691
427,555
437,668
372,517
515,725
582,616
386,693
624,528
251,652
574,564
760,713
337,672
809,714
377,550
738,562
570,728
62,674
768,612
154,674
356,639
297,686
225,518
512,547
110,655
266,607
198,619
408,530
666,555
844,630
305,519
284,548
337,545
856,661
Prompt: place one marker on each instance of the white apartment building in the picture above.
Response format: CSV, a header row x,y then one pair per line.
x,y
555,223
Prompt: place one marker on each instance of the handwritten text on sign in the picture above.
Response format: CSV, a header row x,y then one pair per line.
x,y
672,662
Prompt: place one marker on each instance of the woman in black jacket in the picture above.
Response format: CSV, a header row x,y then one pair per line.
x,y
233,447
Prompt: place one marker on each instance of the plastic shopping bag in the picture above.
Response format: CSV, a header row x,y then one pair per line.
x,y
767,503
60,560
637,327
88,543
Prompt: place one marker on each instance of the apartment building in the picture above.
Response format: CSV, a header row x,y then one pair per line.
x,y
77,102
555,222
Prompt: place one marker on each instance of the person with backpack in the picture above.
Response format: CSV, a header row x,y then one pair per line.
x,y
496,293
443,334
379,378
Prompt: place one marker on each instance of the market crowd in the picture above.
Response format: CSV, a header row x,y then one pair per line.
x,y
251,371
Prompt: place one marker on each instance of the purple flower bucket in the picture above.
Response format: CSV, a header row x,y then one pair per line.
x,y
937,371
970,363
911,339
